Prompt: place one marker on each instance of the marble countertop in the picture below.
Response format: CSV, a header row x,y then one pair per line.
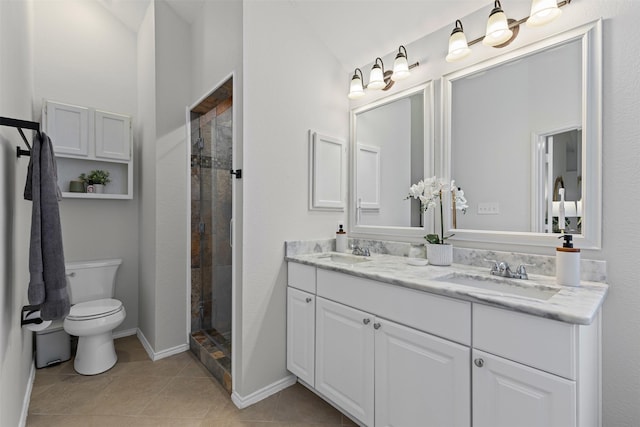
x,y
577,305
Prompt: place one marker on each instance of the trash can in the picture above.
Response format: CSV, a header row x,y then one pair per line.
x,y
53,345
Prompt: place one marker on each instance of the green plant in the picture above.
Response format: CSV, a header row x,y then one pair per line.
x,y
95,177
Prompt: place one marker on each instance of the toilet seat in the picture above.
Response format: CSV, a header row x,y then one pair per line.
x,y
94,309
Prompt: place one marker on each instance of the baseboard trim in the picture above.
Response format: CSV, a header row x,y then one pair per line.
x,y
27,395
243,401
160,354
125,333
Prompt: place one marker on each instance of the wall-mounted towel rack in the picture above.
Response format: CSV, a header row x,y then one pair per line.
x,y
21,124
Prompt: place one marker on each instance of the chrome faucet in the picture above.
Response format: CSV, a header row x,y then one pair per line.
x,y
357,250
502,269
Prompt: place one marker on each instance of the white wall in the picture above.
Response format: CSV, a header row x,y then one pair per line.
x,y
84,56
146,132
172,69
621,222
291,84
16,86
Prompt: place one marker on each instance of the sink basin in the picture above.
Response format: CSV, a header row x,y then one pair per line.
x,y
505,286
348,259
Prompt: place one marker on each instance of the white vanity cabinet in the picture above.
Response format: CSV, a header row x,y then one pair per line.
x,y
507,394
392,356
86,139
345,358
301,322
386,374
533,371
301,332
420,379
381,371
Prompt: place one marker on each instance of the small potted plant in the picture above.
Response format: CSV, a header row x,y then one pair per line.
x,y
95,180
429,192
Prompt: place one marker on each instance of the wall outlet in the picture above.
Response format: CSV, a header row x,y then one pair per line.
x,y
489,208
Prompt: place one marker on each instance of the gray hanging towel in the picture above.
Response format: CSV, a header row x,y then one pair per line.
x,y
47,283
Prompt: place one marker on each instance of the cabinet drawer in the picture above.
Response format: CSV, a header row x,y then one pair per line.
x,y
542,343
302,277
441,316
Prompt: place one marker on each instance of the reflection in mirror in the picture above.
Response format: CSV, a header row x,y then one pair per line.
x,y
518,129
494,113
560,156
390,152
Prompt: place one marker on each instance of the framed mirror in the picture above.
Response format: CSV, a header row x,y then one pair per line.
x,y
392,148
522,137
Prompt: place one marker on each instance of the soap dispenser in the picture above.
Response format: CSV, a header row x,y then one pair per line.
x,y
567,263
341,240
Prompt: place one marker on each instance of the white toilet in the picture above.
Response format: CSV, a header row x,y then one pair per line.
x,y
94,313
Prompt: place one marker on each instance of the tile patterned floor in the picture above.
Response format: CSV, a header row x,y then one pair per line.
x,y
176,391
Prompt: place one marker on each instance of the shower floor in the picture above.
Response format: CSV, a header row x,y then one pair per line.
x,y
214,351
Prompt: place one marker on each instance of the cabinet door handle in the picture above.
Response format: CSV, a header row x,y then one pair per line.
x,y
479,362
366,321
308,299
376,325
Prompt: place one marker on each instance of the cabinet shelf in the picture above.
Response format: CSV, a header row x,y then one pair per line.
x,y
69,195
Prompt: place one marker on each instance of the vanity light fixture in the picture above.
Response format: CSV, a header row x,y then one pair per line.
x,y
500,30
376,78
356,90
458,47
543,12
379,78
400,65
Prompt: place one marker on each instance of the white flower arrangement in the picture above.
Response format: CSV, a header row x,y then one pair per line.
x,y
429,192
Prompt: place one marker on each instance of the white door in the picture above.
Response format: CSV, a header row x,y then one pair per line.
x,y
301,322
421,380
508,394
68,128
113,135
344,358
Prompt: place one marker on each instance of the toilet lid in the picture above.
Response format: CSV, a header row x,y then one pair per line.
x,y
94,309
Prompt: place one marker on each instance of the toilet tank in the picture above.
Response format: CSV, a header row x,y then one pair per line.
x,y
91,280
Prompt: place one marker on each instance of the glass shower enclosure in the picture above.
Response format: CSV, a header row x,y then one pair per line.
x,y
211,255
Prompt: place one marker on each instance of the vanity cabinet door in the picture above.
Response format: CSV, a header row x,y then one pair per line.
x,y
345,359
301,319
420,379
507,394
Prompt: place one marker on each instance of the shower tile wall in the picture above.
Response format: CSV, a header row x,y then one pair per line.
x,y
211,204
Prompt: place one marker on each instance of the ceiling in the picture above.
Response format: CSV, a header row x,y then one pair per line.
x,y
355,31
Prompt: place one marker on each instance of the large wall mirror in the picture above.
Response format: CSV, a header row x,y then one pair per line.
x,y
522,138
392,147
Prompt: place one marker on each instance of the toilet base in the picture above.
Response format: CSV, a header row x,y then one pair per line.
x,y
96,354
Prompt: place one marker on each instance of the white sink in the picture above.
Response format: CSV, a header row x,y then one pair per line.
x,y
505,286
348,259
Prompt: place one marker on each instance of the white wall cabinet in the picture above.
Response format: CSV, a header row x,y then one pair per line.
x,y
86,139
517,369
68,127
301,332
113,135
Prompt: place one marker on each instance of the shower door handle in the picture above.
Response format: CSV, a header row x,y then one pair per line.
x,y
231,232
